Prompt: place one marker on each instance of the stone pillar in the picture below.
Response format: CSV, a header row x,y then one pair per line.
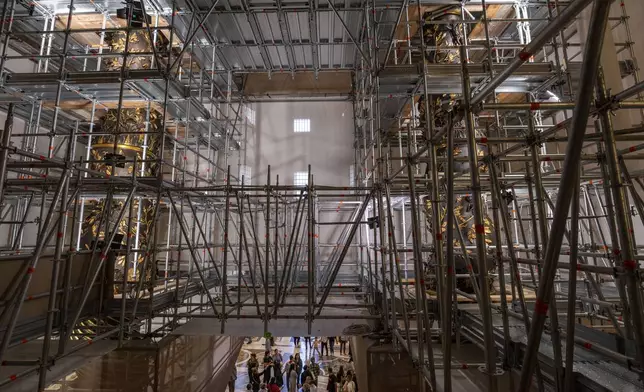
x,y
359,347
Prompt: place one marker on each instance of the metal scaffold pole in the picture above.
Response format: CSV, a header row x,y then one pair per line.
x,y
570,169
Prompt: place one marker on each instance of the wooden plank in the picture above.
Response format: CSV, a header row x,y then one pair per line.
x,y
302,84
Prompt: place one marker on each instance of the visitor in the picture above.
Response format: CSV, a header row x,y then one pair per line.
x,y
267,357
332,386
331,344
305,373
316,346
325,345
340,375
287,370
298,363
307,342
291,380
272,386
296,341
349,385
277,358
252,364
254,380
314,368
269,372
343,345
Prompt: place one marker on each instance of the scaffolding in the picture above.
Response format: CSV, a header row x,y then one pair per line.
x,y
486,206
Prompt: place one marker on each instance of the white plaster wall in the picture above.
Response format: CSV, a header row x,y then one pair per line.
x,y
328,148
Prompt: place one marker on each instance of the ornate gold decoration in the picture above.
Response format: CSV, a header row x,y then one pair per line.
x,y
443,40
464,217
126,135
139,43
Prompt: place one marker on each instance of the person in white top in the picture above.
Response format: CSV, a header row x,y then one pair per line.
x,y
349,385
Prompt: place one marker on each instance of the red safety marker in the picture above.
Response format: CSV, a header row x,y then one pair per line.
x,y
630,265
540,307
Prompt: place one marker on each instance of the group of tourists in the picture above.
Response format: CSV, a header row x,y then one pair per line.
x,y
342,382
296,375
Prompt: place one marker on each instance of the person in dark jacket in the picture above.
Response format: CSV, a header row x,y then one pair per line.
x,y
270,372
332,344
305,373
340,375
332,386
254,380
298,363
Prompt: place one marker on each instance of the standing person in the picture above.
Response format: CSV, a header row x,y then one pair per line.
x,y
343,345
279,379
231,381
332,386
350,355
332,344
296,341
267,357
307,342
349,385
340,375
316,346
305,374
277,358
272,386
292,378
287,370
269,372
254,380
325,345
298,363
314,368
252,364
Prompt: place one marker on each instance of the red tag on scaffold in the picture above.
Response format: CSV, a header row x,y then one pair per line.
x,y
540,307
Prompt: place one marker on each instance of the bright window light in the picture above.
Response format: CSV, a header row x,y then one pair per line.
x,y
300,178
245,173
250,115
301,125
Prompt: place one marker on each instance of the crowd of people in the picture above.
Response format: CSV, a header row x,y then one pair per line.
x,y
295,375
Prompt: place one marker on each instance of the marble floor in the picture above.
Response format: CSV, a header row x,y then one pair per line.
x,y
328,363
